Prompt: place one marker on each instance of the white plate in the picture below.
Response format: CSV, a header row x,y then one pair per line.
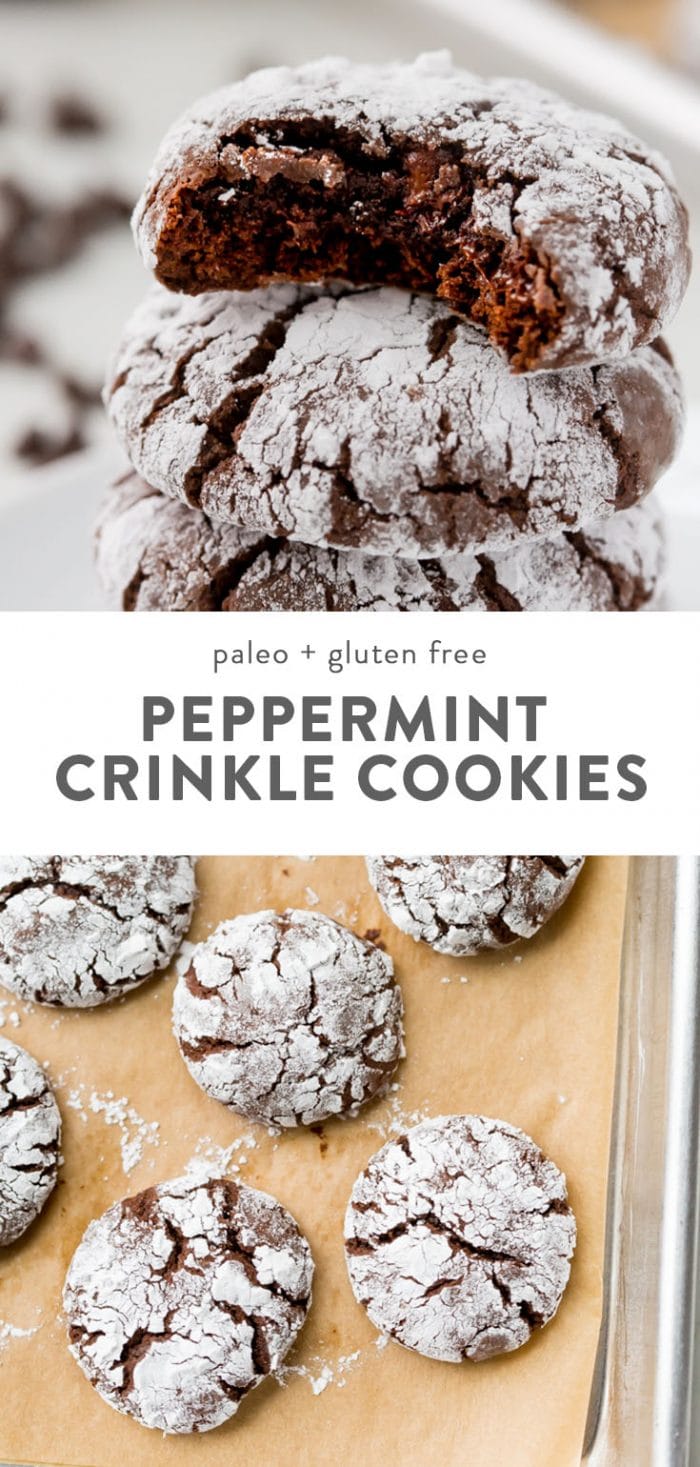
x,y
46,533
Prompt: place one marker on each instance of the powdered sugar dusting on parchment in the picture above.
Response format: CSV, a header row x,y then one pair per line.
x,y
136,1135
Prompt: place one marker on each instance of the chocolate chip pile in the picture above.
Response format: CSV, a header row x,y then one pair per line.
x,y
404,352
42,231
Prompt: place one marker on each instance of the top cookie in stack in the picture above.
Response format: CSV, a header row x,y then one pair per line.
x,y
487,236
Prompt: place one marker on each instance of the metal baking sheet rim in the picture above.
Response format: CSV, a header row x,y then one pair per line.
x,y
640,1410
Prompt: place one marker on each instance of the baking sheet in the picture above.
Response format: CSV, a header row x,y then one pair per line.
x,y
527,1035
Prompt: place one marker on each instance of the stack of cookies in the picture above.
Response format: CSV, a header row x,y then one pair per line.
x,y
403,353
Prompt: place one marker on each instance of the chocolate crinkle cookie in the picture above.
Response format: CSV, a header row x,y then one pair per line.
x,y
180,1300
155,554
377,420
289,1018
77,931
30,1134
459,1238
461,905
555,228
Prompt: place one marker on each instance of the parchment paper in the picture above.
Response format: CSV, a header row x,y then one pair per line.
x,y
527,1035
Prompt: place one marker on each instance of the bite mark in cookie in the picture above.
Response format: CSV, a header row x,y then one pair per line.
x,y
554,227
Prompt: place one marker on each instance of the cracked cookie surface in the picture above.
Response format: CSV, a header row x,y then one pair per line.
x,y
462,905
77,931
180,1300
459,1238
553,226
30,1134
379,421
289,1018
154,554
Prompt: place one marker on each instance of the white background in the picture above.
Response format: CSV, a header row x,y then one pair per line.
x,y
615,685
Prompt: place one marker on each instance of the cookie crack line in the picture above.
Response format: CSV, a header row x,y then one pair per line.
x,y
628,590
76,891
229,418
154,552
457,1241
308,1023
459,459
464,905
78,931
213,1318
448,1226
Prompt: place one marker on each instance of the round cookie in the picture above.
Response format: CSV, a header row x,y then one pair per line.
x,y
462,905
289,1018
379,421
77,931
155,554
459,1237
30,1134
553,226
180,1300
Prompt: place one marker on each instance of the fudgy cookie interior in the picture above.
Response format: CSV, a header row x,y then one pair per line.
x,y
314,205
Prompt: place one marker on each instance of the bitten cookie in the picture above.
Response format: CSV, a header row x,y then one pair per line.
x,y
458,1238
154,554
554,227
30,1134
463,904
180,1300
379,421
289,1018
77,931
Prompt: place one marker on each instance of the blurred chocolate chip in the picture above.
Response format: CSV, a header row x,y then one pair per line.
x,y
21,348
75,116
82,394
37,446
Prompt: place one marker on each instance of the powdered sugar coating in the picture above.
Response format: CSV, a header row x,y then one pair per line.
x,y
180,1300
462,905
574,186
378,420
289,1018
30,1133
155,554
77,931
459,1237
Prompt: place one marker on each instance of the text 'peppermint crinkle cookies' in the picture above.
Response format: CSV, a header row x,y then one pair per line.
x,y
289,1018
77,931
554,227
463,905
182,1299
155,554
378,420
30,1134
459,1238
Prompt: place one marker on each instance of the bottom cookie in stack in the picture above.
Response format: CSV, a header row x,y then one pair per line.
x,y
157,554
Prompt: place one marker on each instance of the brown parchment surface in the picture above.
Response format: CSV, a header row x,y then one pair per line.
x,y
530,1037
